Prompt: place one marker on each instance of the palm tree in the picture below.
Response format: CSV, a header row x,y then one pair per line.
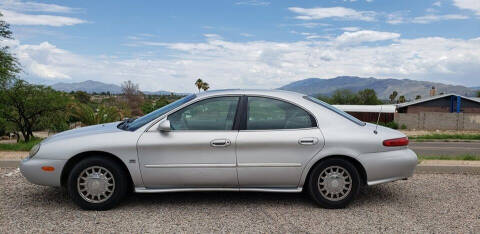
x,y
90,116
199,84
402,99
393,96
205,86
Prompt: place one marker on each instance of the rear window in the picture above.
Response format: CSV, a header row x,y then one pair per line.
x,y
332,108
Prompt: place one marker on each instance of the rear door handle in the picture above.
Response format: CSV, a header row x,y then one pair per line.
x,y
308,141
220,143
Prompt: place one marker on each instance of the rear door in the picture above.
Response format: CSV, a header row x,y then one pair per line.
x,y
277,140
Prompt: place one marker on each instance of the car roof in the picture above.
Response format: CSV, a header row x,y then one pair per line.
x,y
262,92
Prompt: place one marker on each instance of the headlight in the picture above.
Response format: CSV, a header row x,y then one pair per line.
x,y
34,150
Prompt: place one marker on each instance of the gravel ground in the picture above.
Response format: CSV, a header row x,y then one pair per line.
x,y
425,203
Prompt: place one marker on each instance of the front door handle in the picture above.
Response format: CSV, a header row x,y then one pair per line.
x,y
308,141
220,143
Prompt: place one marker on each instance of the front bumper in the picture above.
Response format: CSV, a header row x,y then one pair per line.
x,y
32,170
388,166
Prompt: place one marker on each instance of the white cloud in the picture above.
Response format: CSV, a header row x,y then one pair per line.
x,y
434,18
263,64
401,17
396,18
365,36
332,12
47,61
350,29
16,18
473,5
14,12
22,6
437,4
246,34
253,3
212,36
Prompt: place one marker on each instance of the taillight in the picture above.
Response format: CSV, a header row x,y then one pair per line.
x,y
396,142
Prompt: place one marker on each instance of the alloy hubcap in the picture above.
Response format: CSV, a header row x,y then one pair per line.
x,y
95,184
334,183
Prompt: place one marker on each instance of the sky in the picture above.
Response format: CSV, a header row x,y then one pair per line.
x,y
167,45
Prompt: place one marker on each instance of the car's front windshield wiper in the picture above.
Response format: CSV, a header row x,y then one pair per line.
x,y
124,124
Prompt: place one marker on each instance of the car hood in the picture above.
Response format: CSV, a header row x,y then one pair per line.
x,y
79,132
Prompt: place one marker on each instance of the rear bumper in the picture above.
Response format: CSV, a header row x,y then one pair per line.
x,y
32,170
388,166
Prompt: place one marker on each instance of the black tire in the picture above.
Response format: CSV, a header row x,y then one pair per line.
x,y
120,177
332,203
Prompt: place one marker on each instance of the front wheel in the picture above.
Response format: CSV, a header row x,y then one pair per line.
x,y
97,183
334,183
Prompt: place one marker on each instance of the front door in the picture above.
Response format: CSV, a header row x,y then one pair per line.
x,y
277,142
199,151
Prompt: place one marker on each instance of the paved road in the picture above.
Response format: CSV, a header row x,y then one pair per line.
x,y
445,148
423,204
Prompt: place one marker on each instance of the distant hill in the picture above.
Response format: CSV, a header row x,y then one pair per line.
x,y
475,88
91,86
383,87
88,86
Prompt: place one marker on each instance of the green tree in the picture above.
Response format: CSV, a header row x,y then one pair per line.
x,y
9,67
24,105
205,86
199,84
402,99
393,96
91,116
478,93
82,97
343,97
418,97
324,98
368,97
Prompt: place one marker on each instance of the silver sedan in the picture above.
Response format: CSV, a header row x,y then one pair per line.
x,y
226,140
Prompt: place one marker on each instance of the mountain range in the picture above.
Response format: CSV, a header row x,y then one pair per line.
x,y
383,87
311,86
91,86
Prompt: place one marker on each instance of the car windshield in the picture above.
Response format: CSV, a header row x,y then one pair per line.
x,y
336,110
134,124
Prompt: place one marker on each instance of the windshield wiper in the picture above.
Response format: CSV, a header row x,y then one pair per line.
x,y
124,124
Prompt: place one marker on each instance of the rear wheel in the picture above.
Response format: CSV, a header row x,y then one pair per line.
x,y
97,183
334,183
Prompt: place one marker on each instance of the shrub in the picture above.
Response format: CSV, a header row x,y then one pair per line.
x,y
392,125
403,126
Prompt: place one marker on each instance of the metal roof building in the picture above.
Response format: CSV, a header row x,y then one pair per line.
x,y
447,103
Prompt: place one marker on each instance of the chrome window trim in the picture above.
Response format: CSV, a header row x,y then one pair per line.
x,y
191,102
197,99
329,107
283,100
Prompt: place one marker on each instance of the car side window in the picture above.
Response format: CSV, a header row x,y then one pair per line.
x,y
267,113
209,114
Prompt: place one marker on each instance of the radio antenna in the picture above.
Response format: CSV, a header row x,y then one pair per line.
x,y
378,119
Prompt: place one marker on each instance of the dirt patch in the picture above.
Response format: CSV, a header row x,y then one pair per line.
x,y
13,155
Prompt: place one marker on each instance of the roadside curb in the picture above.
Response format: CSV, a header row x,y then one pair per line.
x,y
421,168
442,140
447,169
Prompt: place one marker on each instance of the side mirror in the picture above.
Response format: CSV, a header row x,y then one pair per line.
x,y
164,126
